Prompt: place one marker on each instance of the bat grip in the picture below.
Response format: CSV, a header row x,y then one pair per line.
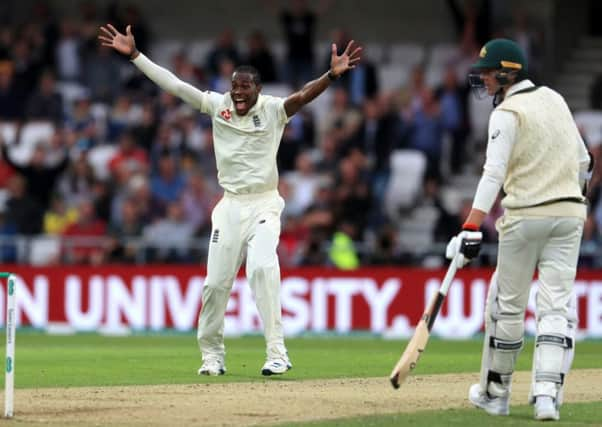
x,y
449,276
440,297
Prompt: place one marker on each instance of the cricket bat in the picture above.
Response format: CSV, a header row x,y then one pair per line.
x,y
417,344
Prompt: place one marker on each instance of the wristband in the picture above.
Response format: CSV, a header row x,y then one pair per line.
x,y
331,76
134,54
469,226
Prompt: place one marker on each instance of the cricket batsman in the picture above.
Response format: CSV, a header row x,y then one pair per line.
x,y
535,153
247,128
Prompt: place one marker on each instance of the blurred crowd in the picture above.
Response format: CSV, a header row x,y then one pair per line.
x,y
119,171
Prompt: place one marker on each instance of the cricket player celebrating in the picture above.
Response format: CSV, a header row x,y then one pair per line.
x,y
247,128
536,153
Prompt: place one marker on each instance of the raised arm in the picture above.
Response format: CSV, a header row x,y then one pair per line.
x,y
338,65
165,79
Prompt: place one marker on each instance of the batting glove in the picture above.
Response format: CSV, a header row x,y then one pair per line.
x,y
467,245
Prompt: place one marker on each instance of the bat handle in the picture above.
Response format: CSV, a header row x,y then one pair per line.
x,y
449,276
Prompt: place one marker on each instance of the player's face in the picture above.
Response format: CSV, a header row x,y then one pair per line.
x,y
489,80
244,92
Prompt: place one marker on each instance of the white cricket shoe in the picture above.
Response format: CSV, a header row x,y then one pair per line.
x,y
545,409
212,366
491,405
276,366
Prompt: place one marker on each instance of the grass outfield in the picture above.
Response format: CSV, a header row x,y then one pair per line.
x,y
580,414
93,360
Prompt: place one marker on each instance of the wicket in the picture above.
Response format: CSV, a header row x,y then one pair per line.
x,y
9,379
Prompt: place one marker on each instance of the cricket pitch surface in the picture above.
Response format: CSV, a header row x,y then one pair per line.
x,y
264,402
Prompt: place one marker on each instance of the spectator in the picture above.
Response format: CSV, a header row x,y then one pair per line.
x,y
167,143
222,81
224,48
453,101
122,117
39,175
22,210
145,130
76,183
120,247
68,55
299,24
298,136
170,237
168,183
260,57
328,156
197,202
385,248
524,31
193,134
59,216
27,68
352,199
84,242
129,155
426,134
303,183
101,74
81,122
8,232
186,70
292,238
472,20
342,120
46,103
412,93
149,207
12,98
343,252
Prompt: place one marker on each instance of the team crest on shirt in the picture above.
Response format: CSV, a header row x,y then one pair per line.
x,y
226,114
256,121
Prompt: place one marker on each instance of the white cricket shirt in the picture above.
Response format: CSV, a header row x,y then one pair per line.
x,y
245,146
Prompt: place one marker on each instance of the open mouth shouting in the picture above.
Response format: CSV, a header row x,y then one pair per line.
x,y
241,105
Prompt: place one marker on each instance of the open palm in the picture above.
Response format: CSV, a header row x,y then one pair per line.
x,y
346,61
122,43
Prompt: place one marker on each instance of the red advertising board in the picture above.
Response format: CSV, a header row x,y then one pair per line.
x,y
380,300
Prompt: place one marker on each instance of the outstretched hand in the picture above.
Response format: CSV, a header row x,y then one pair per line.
x,y
346,61
122,43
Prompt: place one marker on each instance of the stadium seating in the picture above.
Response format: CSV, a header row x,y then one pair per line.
x,y
407,54
407,172
393,76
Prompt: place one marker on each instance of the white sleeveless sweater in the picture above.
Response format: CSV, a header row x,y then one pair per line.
x,y
543,168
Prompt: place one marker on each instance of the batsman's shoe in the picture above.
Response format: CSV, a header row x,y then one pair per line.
x,y
491,405
213,367
545,409
276,367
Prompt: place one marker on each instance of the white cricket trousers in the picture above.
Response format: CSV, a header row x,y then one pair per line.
x,y
243,225
549,245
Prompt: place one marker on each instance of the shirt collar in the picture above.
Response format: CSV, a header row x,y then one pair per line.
x,y
523,84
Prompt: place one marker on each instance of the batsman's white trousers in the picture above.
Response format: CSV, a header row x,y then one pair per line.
x,y
548,244
243,225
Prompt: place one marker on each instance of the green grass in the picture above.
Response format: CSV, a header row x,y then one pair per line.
x,y
93,360
573,414
65,361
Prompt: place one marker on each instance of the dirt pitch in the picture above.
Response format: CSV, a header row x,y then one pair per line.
x,y
264,402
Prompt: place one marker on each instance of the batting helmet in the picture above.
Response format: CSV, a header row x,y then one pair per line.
x,y
504,55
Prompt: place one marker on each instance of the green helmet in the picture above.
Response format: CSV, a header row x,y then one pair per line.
x,y
503,54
